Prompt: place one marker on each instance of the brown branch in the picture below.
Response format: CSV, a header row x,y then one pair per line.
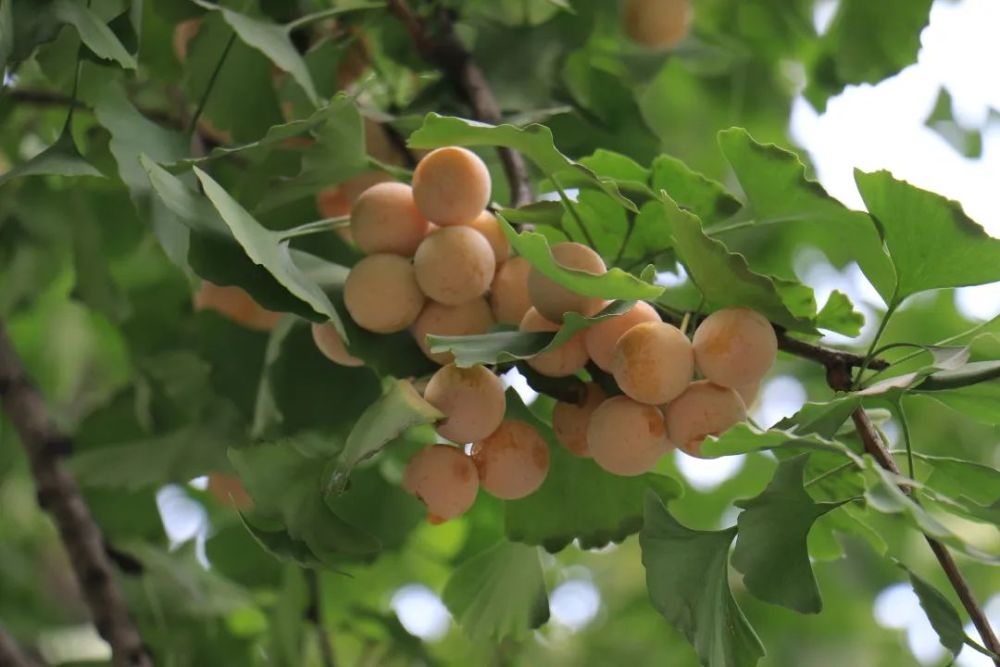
x,y
11,653
60,496
445,50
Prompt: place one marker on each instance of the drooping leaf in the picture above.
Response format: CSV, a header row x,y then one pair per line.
x,y
94,32
942,615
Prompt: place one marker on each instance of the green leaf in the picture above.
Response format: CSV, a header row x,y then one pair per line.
x,y
60,159
933,244
942,615
688,581
615,165
838,315
23,27
771,550
498,593
977,481
96,34
706,198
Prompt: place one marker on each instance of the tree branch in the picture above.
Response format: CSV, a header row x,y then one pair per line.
x,y
445,50
59,495
11,653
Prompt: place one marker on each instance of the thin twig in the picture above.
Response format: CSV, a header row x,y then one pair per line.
x,y
11,653
193,124
315,614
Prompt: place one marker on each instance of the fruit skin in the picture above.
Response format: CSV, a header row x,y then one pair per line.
x,y
384,219
332,346
566,359
466,319
472,400
454,265
703,409
601,337
552,299
509,291
512,461
382,295
657,24
451,186
487,224
653,362
735,347
337,200
626,437
236,305
444,479
570,421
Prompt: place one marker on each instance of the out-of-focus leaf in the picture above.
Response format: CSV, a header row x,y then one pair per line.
x,y
60,159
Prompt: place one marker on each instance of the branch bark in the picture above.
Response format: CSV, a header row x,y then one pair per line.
x,y
60,496
11,653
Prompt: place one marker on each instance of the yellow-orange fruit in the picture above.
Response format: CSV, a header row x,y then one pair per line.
x,y
382,295
451,186
235,304
466,319
444,479
229,490
337,200
512,461
626,437
735,347
570,421
657,24
487,224
184,32
703,409
385,219
601,337
472,400
332,345
748,393
564,360
552,299
653,362
509,291
454,265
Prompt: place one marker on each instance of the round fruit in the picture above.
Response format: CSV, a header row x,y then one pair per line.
x,y
570,421
488,225
653,362
466,319
451,186
703,409
382,295
601,337
552,299
235,304
657,24
748,393
385,219
564,360
626,437
509,291
512,461
454,265
444,479
330,343
472,400
735,347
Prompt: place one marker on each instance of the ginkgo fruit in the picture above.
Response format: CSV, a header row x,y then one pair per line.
x,y
703,409
235,304
564,360
384,219
626,437
454,265
487,224
657,24
466,319
329,342
451,186
735,347
653,362
336,201
748,393
382,295
512,461
509,291
552,299
472,400
444,479
601,337
570,420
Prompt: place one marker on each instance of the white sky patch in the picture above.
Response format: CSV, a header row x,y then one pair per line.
x,y
780,397
707,474
575,603
513,378
421,612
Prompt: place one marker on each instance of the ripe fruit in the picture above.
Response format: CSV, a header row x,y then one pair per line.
x,y
703,409
488,225
748,393
382,295
653,362
735,347
472,400
451,186
235,304
385,219
566,359
551,299
509,291
229,490
332,346
512,461
658,24
626,437
454,265
570,421
444,479
466,319
601,337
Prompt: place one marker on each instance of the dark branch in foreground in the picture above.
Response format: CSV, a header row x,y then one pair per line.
x,y
11,653
60,496
445,50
